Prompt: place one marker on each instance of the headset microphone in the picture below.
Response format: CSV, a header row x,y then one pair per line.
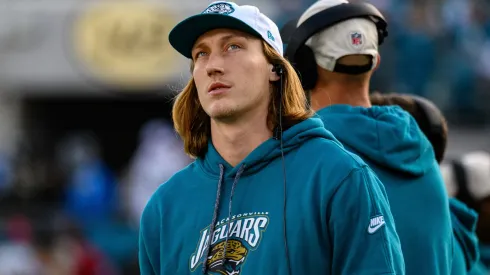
x,y
278,69
278,131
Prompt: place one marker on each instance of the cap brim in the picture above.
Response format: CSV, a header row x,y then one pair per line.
x,y
183,36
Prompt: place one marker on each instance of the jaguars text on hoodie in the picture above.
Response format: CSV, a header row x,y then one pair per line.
x,y
337,216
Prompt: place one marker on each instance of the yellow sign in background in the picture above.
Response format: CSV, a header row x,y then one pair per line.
x,y
126,43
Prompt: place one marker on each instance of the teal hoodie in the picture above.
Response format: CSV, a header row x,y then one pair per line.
x,y
466,252
482,266
335,210
389,140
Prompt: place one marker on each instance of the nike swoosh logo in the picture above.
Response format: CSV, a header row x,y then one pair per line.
x,y
371,230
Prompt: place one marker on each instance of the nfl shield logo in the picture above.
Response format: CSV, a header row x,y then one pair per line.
x,y
356,39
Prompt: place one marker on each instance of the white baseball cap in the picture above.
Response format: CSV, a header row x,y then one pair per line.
x,y
222,14
349,37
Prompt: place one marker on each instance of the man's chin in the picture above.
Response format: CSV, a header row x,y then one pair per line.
x,y
224,115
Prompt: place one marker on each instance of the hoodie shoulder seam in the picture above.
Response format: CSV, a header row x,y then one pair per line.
x,y
344,179
206,173
171,183
352,155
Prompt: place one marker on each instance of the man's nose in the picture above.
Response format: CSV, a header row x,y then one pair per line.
x,y
215,65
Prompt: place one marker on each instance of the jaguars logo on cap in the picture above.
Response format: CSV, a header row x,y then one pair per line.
x,y
220,8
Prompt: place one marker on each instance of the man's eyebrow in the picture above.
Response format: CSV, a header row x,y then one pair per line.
x,y
222,39
230,36
198,46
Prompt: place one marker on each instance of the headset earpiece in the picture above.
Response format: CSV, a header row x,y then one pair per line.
x,y
430,112
432,123
278,69
307,69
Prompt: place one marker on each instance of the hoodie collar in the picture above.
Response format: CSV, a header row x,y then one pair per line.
x,y
385,135
267,151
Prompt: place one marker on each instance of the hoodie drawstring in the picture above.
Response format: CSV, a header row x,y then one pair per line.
x,y
215,216
237,178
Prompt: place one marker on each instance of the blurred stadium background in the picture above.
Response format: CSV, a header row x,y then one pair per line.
x,y
86,90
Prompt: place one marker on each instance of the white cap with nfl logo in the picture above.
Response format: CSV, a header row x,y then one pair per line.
x,y
222,14
353,36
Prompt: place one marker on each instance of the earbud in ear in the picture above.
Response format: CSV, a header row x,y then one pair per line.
x,y
277,68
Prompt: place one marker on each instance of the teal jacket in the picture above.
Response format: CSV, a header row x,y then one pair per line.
x,y
482,267
331,211
389,140
466,252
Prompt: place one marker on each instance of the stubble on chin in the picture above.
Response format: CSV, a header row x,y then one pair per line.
x,y
224,114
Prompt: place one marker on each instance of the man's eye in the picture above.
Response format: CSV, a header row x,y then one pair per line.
x,y
233,47
199,54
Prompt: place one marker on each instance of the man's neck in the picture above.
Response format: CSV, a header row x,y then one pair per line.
x,y
337,93
235,141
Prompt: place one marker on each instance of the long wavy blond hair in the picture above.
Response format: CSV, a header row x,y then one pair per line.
x,y
194,125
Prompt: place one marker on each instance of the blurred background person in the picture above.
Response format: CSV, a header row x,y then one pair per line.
x,y
468,179
159,155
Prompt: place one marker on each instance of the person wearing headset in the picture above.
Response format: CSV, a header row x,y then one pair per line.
x,y
250,203
464,220
335,49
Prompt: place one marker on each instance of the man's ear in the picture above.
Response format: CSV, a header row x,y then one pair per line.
x,y
273,75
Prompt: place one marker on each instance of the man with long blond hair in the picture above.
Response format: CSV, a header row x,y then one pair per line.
x,y
271,191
